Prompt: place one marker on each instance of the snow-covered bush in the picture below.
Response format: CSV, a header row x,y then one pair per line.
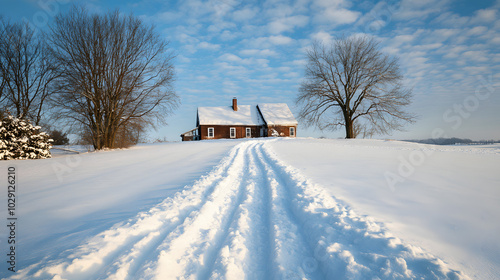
x,y
274,133
19,139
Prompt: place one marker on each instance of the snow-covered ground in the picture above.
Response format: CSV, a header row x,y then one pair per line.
x,y
64,150
65,200
445,199
260,209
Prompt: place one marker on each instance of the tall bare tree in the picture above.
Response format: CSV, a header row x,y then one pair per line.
x,y
351,83
115,70
26,71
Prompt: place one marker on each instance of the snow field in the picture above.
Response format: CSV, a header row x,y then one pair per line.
x,y
448,205
117,253
252,217
349,246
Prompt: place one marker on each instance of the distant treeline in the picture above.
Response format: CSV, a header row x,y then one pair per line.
x,y
453,141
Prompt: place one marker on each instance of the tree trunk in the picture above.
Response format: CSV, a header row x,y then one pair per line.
x,y
349,124
349,129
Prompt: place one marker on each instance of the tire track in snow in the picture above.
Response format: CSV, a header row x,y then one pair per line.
x,y
348,246
189,250
246,253
153,248
213,182
290,248
100,257
252,217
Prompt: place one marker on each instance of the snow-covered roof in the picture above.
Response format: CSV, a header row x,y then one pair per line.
x,y
277,114
225,115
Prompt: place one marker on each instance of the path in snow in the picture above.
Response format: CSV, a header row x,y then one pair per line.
x,y
252,217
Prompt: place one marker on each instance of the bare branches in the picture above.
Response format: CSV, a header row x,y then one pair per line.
x,y
352,84
115,72
26,72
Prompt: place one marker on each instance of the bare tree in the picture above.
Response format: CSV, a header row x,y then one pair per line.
x,y
115,70
351,83
131,133
26,72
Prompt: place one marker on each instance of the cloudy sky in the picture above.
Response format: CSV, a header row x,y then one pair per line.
x,y
255,51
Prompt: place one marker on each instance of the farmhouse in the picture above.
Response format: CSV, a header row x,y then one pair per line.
x,y
243,121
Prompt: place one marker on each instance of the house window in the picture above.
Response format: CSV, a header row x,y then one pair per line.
x,y
210,132
292,131
232,132
248,132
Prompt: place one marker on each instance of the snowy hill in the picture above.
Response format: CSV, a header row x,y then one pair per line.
x,y
260,209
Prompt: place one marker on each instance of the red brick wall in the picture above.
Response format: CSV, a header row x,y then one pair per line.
x,y
222,131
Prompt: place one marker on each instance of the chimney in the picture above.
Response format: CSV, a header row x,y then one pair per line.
x,y
235,104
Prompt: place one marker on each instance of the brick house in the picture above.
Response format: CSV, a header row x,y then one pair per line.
x,y
243,121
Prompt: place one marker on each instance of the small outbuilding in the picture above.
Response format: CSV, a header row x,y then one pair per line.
x,y
243,121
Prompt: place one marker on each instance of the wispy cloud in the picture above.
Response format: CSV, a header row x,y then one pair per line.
x,y
258,52
334,12
287,24
485,16
421,10
208,46
268,41
322,36
245,14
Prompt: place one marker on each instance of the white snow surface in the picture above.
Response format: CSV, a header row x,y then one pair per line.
x,y
258,209
65,150
225,115
447,198
277,114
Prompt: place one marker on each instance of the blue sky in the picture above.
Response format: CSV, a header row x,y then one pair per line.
x,y
255,51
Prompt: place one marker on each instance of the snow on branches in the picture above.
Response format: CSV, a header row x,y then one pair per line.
x,y
19,139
